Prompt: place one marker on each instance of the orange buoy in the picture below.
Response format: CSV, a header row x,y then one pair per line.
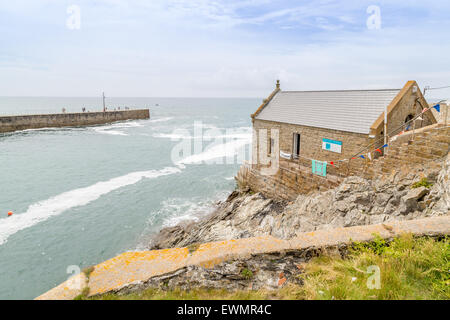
x,y
10,213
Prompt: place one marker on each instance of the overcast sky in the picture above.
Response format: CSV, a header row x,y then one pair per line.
x,y
221,48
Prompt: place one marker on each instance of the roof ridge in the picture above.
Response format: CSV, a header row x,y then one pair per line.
x,y
345,90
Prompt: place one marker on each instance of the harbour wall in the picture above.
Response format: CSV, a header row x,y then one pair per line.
x,y
23,122
138,268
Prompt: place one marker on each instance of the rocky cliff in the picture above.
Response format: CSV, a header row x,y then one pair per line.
x,y
357,201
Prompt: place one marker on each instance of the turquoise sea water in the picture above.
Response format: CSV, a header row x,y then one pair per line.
x,y
83,195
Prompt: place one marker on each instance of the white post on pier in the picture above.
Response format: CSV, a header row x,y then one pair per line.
x,y
104,105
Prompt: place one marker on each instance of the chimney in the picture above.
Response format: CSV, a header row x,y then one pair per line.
x,y
278,84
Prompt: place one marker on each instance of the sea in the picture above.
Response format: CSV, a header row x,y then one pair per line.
x,y
82,195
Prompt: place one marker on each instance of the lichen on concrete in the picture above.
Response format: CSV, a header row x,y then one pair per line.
x,y
218,263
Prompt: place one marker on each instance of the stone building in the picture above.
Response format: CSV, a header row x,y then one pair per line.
x,y
334,125
304,141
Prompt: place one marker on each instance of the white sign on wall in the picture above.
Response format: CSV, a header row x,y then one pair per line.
x,y
332,145
285,155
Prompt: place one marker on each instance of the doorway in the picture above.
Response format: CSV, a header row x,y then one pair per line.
x,y
296,145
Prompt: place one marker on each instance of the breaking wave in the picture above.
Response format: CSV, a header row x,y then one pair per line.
x,y
56,205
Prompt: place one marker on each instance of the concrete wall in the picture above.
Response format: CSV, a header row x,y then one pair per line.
x,y
15,123
137,268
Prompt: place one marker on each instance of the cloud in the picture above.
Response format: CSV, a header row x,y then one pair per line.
x,y
218,47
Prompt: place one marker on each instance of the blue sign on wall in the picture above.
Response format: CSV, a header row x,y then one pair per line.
x,y
332,145
319,168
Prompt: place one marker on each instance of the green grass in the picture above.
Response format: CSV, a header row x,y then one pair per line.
x,y
422,183
83,295
409,269
194,294
247,273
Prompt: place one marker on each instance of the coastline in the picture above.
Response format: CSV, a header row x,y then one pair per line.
x,y
248,230
355,202
220,264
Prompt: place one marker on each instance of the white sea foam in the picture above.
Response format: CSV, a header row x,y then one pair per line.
x,y
46,129
176,136
109,131
210,134
176,210
172,136
161,119
56,205
113,128
127,124
228,149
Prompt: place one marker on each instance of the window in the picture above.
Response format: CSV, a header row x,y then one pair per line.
x,y
408,124
271,145
296,146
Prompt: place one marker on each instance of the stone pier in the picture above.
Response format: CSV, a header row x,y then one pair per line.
x,y
16,123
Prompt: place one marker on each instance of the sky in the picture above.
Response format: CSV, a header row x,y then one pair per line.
x,y
220,48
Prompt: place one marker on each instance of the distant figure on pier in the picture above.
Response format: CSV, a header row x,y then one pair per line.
x,y
83,109
63,110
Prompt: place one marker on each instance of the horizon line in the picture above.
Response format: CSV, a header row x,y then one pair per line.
x,y
140,97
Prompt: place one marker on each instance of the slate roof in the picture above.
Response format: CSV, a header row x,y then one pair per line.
x,y
346,110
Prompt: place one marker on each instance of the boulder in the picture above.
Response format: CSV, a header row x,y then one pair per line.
x,y
410,201
355,201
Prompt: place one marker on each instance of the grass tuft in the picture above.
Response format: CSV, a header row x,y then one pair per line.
x,y
83,295
422,183
87,271
247,273
193,247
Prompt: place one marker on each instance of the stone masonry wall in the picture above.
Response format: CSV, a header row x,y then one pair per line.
x,y
311,140
295,176
426,147
410,104
15,123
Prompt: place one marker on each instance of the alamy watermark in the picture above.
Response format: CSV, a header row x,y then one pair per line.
x,y
74,282
374,20
73,21
374,280
210,145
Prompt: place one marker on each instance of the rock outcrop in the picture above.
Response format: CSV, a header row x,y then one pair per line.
x,y
356,201
253,263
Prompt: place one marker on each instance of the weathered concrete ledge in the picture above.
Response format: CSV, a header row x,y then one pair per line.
x,y
24,122
137,267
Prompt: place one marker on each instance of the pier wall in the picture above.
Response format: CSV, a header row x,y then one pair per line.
x,y
15,123
132,270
